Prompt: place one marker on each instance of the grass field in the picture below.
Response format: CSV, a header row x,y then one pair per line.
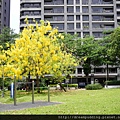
x,y
105,101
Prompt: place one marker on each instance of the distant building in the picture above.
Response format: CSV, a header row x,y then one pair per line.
x,y
84,17
4,13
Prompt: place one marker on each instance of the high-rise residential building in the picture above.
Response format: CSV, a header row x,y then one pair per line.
x,y
4,13
84,17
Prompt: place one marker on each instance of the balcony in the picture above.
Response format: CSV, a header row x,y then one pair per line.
x,y
102,11
101,2
54,3
55,19
101,29
103,19
54,11
24,1
117,2
30,9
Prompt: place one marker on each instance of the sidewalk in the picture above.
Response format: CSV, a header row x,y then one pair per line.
x,y
19,106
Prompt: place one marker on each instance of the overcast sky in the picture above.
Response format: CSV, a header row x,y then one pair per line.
x,y
15,15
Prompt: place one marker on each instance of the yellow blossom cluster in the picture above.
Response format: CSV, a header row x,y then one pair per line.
x,y
37,51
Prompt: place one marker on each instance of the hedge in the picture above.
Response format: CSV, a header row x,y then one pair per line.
x,y
64,85
96,86
113,82
70,85
53,85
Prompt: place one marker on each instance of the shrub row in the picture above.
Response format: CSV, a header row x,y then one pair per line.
x,y
65,85
53,85
96,86
113,82
70,85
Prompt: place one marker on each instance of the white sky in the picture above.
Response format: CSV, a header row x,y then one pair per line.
x,y
15,15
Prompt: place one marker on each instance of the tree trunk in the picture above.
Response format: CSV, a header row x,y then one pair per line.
x,y
37,82
27,80
107,72
87,79
62,88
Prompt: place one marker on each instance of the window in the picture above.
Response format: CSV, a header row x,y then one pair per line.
x,y
79,34
58,10
85,25
37,20
97,18
36,13
26,5
77,25
70,2
112,70
70,18
60,26
77,17
70,26
5,4
98,34
4,18
72,33
98,70
85,10
26,13
79,70
86,18
97,9
70,9
86,34
77,1
84,2
78,9
36,5
5,11
58,18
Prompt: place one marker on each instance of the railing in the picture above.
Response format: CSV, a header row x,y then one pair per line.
x,y
103,11
102,2
52,11
30,15
103,19
30,7
54,3
53,19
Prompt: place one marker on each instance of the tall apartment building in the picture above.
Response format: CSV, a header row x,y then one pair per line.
x,y
4,13
84,17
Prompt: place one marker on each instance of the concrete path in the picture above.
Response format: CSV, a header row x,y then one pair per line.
x,y
19,106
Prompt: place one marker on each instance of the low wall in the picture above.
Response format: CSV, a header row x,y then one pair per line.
x,y
112,86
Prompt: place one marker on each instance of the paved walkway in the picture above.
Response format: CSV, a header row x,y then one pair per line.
x,y
19,106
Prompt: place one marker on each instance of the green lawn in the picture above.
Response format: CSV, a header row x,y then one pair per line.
x,y
105,101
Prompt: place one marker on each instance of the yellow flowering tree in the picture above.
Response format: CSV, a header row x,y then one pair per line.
x,y
3,59
38,52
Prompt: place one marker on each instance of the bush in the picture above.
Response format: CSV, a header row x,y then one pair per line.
x,y
113,82
96,86
53,85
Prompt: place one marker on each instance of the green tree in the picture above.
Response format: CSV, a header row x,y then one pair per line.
x,y
115,45
107,55
87,50
7,36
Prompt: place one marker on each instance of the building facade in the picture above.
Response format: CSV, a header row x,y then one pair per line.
x,y
4,13
84,17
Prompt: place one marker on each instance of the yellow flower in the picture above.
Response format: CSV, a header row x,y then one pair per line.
x,y
62,37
